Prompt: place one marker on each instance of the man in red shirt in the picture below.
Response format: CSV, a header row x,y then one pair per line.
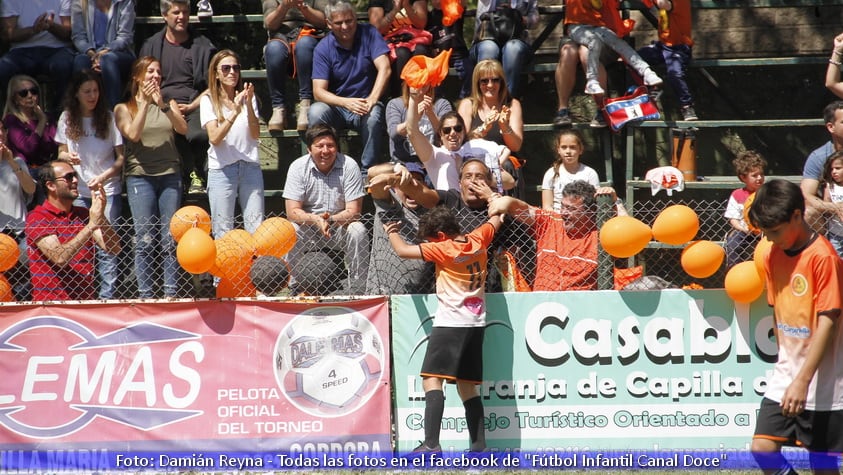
x,y
61,237
566,242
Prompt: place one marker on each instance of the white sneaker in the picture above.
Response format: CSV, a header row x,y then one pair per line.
x,y
301,114
652,79
593,87
204,9
278,121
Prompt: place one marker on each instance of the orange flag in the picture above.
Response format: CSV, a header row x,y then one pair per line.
x,y
423,71
451,11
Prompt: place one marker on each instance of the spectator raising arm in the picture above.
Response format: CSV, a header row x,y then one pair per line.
x,y
832,75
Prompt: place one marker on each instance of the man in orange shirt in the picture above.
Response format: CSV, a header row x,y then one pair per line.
x,y
673,49
566,242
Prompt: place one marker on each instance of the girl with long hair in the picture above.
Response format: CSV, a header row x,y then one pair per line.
x,y
153,174
565,169
89,140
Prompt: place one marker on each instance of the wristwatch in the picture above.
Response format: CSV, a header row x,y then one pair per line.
x,y
165,109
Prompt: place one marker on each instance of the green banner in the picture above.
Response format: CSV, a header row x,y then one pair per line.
x,y
647,370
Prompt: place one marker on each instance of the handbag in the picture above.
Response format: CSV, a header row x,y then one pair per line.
x,y
501,25
636,106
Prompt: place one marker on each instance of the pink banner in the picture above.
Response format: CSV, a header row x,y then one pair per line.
x,y
233,375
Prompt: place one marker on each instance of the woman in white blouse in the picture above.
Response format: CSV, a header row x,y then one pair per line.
x,y
229,112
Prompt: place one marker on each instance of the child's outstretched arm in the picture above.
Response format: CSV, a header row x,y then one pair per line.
x,y
402,249
496,221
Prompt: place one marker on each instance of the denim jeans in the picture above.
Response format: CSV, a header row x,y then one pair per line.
x,y
240,182
108,265
514,57
595,38
739,247
676,59
371,127
153,201
115,66
56,63
277,57
836,242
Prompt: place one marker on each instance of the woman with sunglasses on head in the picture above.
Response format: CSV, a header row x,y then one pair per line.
x,y
30,134
89,140
490,110
153,174
443,163
229,112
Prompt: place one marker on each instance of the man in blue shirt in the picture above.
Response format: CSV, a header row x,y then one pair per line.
x,y
350,73
812,172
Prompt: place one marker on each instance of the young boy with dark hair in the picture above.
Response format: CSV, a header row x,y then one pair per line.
x,y
803,403
455,345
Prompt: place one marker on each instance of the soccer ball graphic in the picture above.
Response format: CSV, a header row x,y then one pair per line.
x,y
328,361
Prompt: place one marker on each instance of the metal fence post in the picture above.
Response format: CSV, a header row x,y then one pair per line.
x,y
605,262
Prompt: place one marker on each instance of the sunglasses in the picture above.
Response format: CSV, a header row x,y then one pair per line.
x,y
25,92
68,177
485,81
456,128
227,68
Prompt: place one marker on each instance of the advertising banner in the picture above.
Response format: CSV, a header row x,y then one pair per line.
x,y
82,380
582,371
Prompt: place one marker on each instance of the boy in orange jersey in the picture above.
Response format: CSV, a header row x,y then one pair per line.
x,y
803,403
455,346
673,49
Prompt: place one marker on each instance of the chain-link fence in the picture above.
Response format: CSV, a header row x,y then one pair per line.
x,y
539,251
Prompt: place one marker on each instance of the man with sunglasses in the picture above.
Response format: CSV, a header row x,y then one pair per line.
x,y
61,237
184,55
39,34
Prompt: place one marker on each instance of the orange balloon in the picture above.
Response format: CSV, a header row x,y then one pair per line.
x,y
746,205
701,259
242,238
624,236
234,256
274,237
195,251
421,71
676,224
759,257
189,217
6,294
234,288
743,284
9,252
452,10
